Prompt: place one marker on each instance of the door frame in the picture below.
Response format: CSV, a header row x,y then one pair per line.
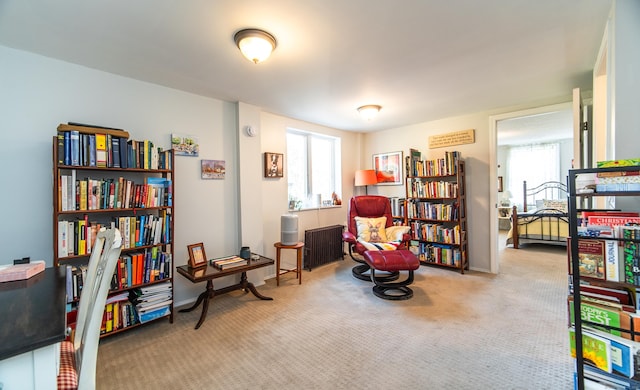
x,y
493,171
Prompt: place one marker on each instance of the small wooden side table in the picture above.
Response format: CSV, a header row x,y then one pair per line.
x,y
281,271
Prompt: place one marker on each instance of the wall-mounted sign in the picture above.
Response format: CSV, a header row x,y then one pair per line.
x,y
451,139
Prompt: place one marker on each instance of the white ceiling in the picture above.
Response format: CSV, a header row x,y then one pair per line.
x,y
420,59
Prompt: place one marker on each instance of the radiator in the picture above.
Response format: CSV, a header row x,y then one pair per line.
x,y
322,245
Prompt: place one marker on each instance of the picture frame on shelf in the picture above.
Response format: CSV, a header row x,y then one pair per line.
x,y
197,256
273,165
388,167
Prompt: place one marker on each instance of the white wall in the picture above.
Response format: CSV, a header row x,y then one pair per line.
x,y
274,199
476,156
38,93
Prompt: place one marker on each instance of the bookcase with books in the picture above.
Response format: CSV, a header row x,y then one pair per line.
x,y
101,178
604,276
435,209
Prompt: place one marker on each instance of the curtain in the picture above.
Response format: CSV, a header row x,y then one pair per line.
x,y
535,163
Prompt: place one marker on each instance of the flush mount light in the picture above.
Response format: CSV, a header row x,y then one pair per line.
x,y
369,111
255,44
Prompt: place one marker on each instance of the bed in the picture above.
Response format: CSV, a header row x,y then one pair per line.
x,y
543,218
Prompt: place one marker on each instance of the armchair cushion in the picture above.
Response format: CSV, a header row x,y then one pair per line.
x,y
396,233
371,229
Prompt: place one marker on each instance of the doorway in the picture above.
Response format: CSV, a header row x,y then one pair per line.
x,y
533,126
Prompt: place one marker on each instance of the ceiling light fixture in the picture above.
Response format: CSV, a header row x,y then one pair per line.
x,y
369,111
255,44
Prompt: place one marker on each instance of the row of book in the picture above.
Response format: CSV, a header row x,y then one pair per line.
x,y
105,150
436,233
120,193
435,253
433,189
132,269
77,237
435,211
418,167
611,252
397,206
119,313
228,262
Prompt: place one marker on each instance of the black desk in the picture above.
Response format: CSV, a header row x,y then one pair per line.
x,y
33,324
32,312
208,273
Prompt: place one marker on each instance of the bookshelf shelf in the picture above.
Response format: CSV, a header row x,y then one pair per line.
x,y
138,201
436,210
618,262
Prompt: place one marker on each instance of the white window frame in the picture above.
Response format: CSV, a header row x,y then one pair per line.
x,y
310,200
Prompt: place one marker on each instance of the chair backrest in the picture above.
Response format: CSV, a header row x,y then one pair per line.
x,y
368,206
102,264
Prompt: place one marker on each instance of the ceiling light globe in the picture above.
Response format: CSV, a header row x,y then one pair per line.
x,y
255,45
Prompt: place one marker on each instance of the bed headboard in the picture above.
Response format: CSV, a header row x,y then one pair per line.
x,y
547,191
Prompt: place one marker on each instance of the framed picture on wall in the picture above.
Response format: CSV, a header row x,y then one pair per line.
x,y
273,164
388,167
213,169
185,145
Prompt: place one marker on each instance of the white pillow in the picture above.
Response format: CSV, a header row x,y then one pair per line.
x,y
395,233
371,229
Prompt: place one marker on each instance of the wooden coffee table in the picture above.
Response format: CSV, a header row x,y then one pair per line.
x,y
208,273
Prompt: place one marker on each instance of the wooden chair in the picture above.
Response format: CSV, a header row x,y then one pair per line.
x,y
78,357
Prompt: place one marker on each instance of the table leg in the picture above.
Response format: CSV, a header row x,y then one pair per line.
x,y
299,270
245,284
277,266
203,298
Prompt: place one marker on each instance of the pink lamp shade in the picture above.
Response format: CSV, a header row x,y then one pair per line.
x,y
365,177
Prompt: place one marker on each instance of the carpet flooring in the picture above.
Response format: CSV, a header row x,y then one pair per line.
x,y
471,331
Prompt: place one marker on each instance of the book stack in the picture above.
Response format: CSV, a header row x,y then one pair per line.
x,y
10,273
152,302
228,262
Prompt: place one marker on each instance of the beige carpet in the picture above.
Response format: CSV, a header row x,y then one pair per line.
x,y
472,331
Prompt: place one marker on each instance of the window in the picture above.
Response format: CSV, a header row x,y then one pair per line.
x,y
313,169
536,163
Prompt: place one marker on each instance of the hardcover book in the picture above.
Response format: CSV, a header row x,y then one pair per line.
x,y
596,350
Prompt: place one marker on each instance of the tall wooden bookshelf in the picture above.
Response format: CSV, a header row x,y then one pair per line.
x,y
616,273
95,185
436,210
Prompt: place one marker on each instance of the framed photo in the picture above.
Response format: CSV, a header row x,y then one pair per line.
x,y
273,164
197,257
500,188
388,167
213,169
185,145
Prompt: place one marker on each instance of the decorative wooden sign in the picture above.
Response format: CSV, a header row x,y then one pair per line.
x,y
451,139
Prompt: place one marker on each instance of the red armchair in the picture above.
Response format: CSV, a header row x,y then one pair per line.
x,y
368,206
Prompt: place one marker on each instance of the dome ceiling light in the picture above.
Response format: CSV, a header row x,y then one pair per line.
x,y
255,44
